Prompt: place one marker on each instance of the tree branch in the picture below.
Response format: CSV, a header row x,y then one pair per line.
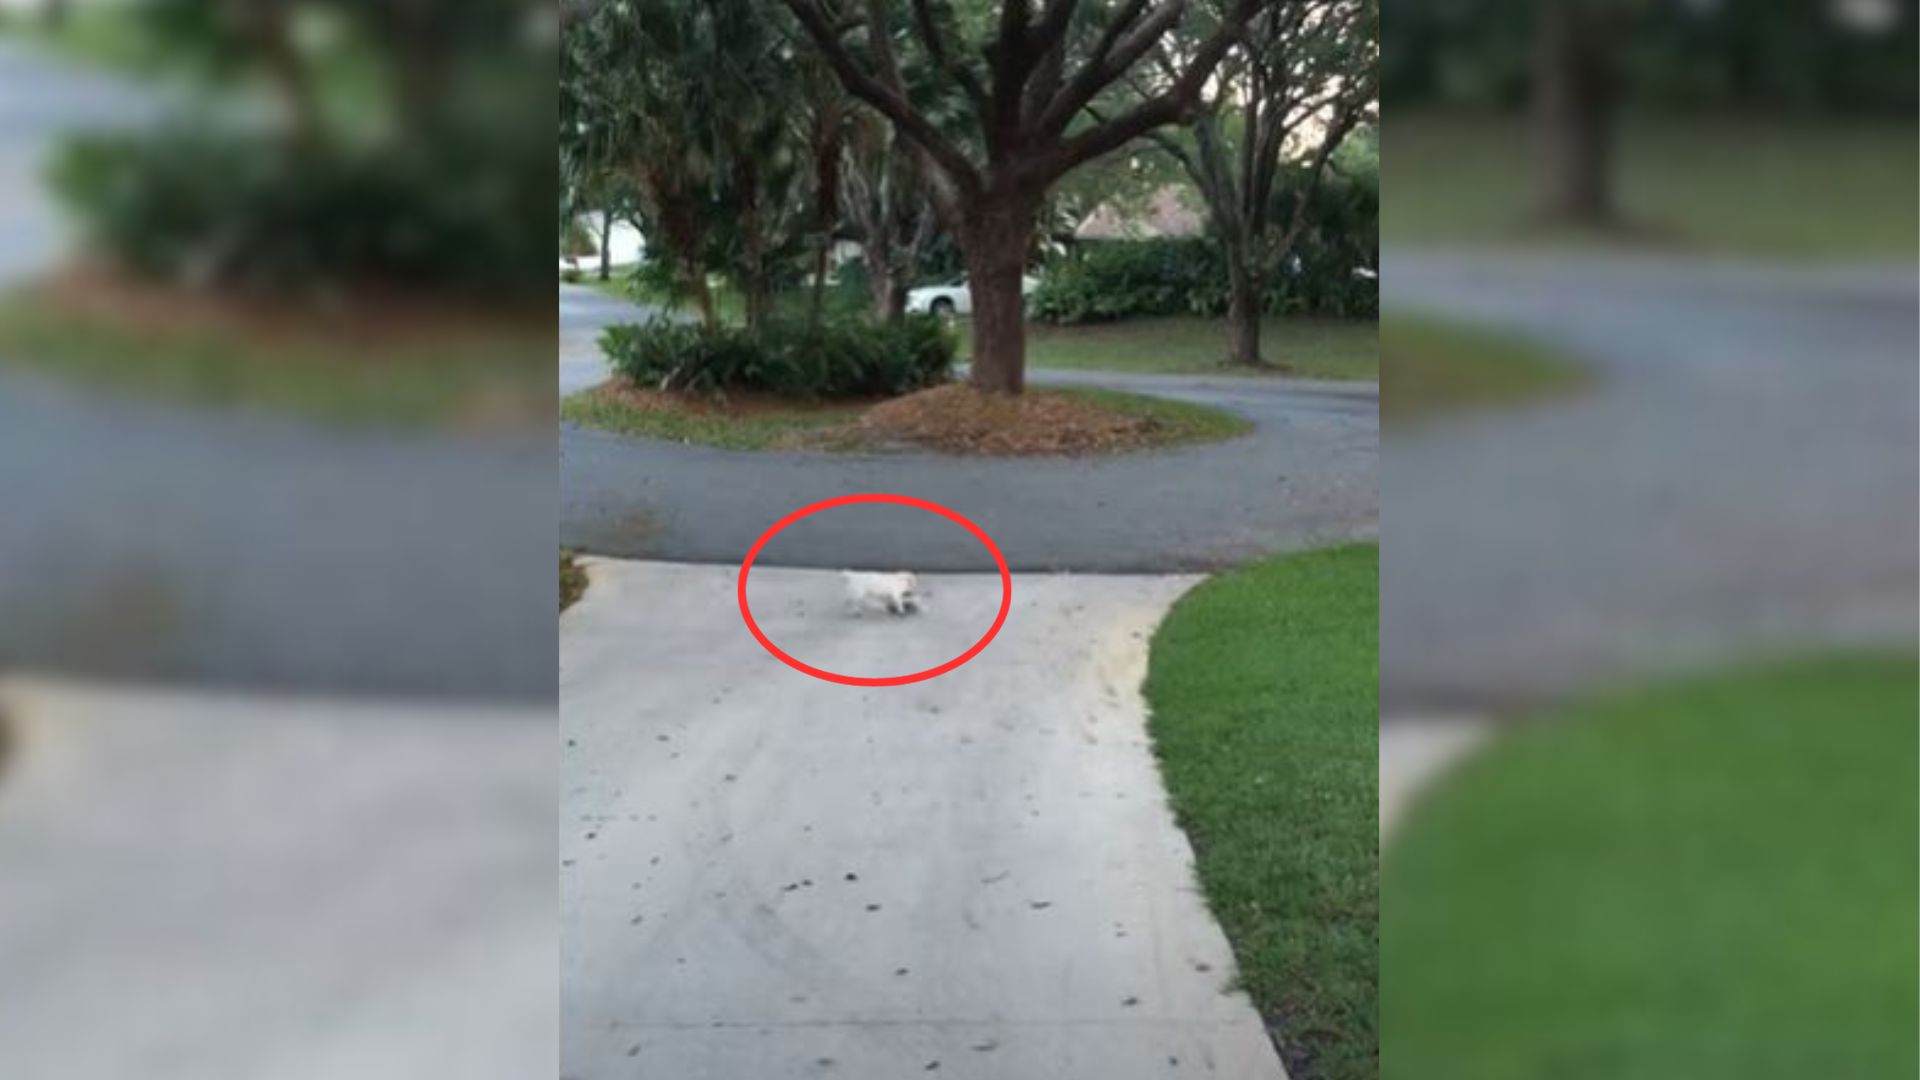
x,y
1165,108
888,97
936,45
1093,75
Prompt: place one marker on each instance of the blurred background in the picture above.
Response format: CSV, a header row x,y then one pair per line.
x,y
1648,755
277,495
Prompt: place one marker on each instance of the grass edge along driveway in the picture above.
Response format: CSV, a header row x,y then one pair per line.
x,y
1709,878
1263,686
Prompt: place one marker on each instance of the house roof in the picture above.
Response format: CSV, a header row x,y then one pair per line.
x,y
1165,215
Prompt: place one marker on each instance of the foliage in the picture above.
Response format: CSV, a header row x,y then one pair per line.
x,y
577,240
838,358
210,207
1119,279
693,107
402,152
1739,54
1195,344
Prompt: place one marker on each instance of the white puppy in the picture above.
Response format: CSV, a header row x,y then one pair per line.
x,y
896,594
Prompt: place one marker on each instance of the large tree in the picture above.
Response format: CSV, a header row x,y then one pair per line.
x,y
883,199
1025,73
1285,99
690,100
1574,99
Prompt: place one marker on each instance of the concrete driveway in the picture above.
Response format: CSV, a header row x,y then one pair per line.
x,y
204,884
767,875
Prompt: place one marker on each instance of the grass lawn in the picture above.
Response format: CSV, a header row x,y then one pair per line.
x,y
1180,422
1185,345
1434,366
1177,345
1841,188
1264,689
573,580
767,425
462,376
1706,880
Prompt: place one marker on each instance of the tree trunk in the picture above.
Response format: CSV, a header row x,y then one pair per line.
x,y
606,237
1573,115
1243,310
822,248
754,289
899,283
881,283
995,235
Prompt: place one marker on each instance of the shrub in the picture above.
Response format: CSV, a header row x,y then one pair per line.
x,y
254,209
1118,279
837,359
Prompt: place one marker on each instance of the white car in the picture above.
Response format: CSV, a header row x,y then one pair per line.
x,y
953,298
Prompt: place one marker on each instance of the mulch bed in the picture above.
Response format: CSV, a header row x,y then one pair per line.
x,y
376,323
957,419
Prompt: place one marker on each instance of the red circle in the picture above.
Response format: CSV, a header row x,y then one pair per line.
x,y
1006,590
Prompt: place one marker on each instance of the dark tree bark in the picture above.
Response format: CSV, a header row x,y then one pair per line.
x,y
755,286
1243,309
606,239
680,233
1573,104
994,239
825,134
1025,99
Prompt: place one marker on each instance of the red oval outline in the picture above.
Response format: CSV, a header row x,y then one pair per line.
x,y
1006,590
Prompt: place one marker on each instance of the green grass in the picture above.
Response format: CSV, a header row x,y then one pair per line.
x,y
1263,684
1176,423
1188,345
1434,366
573,580
479,378
1805,188
1705,880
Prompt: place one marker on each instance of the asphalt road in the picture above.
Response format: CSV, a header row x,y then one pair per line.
x,y
1305,477
1739,480
583,314
153,541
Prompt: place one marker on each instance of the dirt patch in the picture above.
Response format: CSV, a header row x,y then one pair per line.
x,y
381,324
958,419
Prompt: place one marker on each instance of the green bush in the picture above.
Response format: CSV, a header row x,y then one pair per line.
x,y
1118,279
839,358
255,209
